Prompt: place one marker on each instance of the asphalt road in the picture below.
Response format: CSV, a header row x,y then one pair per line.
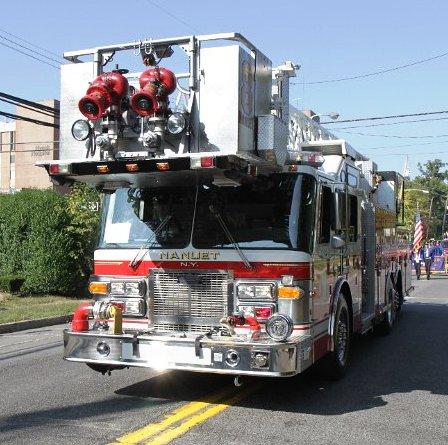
x,y
396,391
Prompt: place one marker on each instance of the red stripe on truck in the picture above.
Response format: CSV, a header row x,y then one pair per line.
x,y
300,271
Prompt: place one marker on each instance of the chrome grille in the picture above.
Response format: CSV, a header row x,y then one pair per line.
x,y
188,300
171,327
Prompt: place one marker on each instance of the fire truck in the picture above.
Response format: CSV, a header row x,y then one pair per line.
x,y
238,236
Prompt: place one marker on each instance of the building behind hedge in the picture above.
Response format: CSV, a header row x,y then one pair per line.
x,y
22,144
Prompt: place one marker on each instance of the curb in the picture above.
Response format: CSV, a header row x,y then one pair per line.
x,y
33,324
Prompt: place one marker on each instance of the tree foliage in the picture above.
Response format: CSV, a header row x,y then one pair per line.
x,y
433,177
48,239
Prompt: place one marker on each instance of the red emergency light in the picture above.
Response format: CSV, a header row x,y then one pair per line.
x,y
262,313
106,90
59,169
156,85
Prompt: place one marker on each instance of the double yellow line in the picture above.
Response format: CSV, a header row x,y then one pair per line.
x,y
185,418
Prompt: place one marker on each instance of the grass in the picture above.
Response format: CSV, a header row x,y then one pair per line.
x,y
15,308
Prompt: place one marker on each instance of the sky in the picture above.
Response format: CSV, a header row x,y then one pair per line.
x,y
328,39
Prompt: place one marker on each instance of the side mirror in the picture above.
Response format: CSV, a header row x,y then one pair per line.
x,y
337,242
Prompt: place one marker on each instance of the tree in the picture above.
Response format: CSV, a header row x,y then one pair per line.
x,y
47,239
433,177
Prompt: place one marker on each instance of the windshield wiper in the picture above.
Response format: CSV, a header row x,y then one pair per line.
x,y
139,256
229,236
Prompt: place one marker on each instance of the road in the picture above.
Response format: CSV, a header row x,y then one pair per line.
x,y
396,391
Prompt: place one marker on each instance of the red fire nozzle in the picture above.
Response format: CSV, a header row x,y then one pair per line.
x,y
80,321
156,85
242,320
106,90
252,322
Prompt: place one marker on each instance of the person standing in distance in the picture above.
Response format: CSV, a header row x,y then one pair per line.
x,y
417,258
428,255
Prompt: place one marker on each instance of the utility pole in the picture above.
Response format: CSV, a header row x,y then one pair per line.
x,y
444,217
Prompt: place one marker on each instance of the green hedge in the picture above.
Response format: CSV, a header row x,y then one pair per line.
x,y
48,239
11,283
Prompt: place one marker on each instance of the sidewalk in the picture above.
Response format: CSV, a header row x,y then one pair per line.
x,y
33,324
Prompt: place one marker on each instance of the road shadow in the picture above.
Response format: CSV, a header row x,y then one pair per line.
x,y
413,358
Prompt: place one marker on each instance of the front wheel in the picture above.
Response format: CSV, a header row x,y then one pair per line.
x,y
336,362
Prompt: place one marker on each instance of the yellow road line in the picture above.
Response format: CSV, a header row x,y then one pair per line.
x,y
179,414
166,437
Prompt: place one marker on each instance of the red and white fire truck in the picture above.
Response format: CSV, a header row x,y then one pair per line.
x,y
238,236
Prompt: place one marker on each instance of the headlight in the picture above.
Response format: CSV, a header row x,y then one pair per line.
x,y
279,327
176,123
255,291
132,288
263,291
245,291
134,306
127,288
117,288
81,130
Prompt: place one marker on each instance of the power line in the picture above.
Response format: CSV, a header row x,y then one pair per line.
x,y
413,153
29,49
396,136
29,43
406,145
171,15
28,119
27,108
30,103
392,123
376,73
28,55
396,116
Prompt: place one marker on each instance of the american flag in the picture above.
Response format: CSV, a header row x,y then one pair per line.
x,y
418,232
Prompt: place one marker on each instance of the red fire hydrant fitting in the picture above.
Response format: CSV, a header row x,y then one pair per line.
x,y
106,90
156,85
80,321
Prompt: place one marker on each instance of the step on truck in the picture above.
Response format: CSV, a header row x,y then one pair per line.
x,y
238,236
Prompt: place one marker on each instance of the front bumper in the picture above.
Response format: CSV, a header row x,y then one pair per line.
x,y
176,353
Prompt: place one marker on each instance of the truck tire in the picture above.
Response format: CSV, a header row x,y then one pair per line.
x,y
387,323
399,295
335,364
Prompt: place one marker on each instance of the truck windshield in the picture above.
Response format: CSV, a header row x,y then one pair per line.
x,y
275,212
134,216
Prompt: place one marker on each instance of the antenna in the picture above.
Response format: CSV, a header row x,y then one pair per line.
x,y
406,171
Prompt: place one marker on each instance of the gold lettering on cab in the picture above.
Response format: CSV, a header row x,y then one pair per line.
x,y
189,256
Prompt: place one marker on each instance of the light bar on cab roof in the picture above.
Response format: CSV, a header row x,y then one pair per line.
x,y
156,165
313,158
